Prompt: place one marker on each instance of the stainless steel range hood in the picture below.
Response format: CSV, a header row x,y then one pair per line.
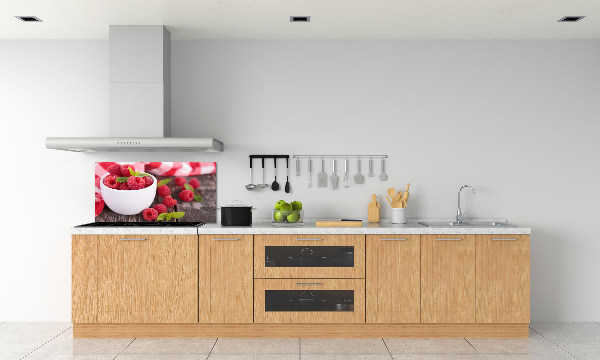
x,y
140,97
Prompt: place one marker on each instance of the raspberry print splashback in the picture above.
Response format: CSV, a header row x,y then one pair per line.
x,y
156,191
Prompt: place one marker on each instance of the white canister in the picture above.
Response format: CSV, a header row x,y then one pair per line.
x,y
398,215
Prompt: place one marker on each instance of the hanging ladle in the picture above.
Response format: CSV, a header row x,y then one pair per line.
x,y
251,186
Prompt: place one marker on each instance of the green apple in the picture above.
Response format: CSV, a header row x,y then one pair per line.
x,y
293,217
296,205
278,204
285,208
278,216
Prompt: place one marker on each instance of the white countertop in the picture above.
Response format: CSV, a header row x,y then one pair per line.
x,y
265,227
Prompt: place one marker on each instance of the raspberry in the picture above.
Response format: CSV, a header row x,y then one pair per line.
x,y
148,181
169,201
135,183
115,169
163,191
149,214
195,183
125,169
186,195
123,186
160,208
111,181
179,181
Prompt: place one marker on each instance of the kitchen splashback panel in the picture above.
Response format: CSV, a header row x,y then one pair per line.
x,y
189,192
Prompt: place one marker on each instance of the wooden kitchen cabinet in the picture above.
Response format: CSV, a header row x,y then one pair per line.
x,y
84,280
225,278
393,279
147,278
502,269
448,278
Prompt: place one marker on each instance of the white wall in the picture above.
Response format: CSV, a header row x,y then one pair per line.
x,y
515,119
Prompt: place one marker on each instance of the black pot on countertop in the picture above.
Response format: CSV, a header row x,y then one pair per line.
x,y
236,214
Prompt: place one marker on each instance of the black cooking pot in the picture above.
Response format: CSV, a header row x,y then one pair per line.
x,y
236,214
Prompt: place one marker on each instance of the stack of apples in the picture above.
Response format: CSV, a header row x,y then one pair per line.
x,y
285,212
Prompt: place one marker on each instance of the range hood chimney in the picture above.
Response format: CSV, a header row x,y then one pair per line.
x,y
140,97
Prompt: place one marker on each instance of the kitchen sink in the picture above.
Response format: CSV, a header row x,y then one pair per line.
x,y
473,223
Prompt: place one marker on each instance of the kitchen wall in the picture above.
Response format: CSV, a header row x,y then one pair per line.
x,y
517,120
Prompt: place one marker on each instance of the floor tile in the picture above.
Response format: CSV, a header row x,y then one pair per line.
x,y
65,347
424,346
201,346
450,357
254,357
500,346
245,346
342,346
18,339
350,357
582,340
161,357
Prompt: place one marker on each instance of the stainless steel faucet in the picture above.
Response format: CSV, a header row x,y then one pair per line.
x,y
460,216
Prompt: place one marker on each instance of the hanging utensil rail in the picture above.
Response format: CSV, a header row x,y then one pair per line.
x,y
341,156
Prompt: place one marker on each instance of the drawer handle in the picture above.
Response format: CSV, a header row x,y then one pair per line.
x,y
309,239
226,239
309,284
393,239
504,239
133,239
449,239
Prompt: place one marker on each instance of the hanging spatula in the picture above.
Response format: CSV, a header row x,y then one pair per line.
x,y
359,178
334,178
322,177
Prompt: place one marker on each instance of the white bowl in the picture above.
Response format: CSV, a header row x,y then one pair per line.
x,y
128,202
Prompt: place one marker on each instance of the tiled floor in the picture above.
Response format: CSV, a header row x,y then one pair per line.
x,y
547,341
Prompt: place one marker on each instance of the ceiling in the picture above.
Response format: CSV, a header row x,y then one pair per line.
x,y
331,19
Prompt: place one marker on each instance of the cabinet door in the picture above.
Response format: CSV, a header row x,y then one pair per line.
x,y
225,280
148,278
448,278
502,278
84,283
393,279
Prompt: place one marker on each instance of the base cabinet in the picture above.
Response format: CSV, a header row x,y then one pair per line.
x,y
225,280
502,269
448,279
393,279
147,279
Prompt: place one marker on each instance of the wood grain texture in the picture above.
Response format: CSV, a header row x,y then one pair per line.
x,y
502,268
300,330
356,316
150,281
329,223
447,279
393,279
225,279
84,281
263,272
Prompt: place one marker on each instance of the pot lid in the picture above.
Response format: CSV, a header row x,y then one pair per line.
x,y
237,203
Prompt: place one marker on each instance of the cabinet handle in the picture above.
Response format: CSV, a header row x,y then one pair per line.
x,y
309,284
393,239
504,239
133,239
449,239
226,239
309,239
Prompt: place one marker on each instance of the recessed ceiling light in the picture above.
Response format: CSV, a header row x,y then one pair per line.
x,y
571,19
29,18
299,18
